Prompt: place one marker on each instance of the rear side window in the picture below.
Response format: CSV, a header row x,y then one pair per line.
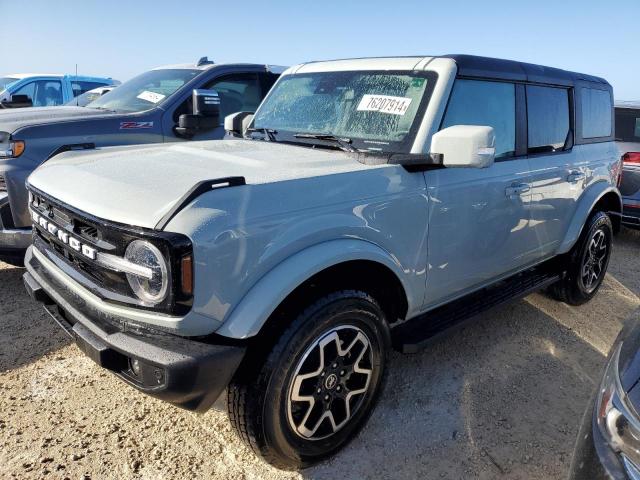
x,y
548,118
627,125
79,87
596,113
493,104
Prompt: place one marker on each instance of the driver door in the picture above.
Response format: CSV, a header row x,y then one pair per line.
x,y
237,91
479,228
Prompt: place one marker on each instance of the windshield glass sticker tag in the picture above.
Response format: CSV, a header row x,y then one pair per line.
x,y
384,104
152,97
135,125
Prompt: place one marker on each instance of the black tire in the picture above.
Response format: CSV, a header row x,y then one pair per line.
x,y
575,288
260,397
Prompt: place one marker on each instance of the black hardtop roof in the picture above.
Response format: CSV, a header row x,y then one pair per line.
x,y
486,67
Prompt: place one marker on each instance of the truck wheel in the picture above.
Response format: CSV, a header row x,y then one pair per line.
x,y
317,385
588,261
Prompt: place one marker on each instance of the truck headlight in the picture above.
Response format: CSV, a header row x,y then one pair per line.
x,y
13,149
151,290
616,420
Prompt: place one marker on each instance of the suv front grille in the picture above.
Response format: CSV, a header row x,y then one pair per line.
x,y
106,238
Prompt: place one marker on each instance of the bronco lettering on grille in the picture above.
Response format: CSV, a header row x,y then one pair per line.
x,y
63,236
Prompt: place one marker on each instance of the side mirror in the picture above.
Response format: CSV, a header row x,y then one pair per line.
x,y
205,116
18,101
465,146
237,123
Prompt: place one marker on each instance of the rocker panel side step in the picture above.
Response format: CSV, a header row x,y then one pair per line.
x,y
416,334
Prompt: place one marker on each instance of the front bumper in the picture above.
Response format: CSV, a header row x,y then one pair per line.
x,y
189,373
13,241
631,212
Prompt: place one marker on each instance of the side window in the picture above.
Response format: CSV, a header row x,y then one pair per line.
x,y
43,93
596,113
79,87
627,125
547,118
238,93
493,104
29,90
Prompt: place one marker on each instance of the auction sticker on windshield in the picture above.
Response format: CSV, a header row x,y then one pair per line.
x,y
152,97
384,104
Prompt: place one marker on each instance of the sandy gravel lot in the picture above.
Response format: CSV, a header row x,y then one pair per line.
x,y
500,399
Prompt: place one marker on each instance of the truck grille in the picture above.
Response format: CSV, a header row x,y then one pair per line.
x,y
3,184
94,239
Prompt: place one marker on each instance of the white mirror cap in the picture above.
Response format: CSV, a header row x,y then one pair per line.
x,y
465,146
238,122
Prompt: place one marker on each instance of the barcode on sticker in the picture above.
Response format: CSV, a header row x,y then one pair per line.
x,y
384,104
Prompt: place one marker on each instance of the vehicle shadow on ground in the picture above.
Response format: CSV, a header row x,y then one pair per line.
x,y
507,404
26,330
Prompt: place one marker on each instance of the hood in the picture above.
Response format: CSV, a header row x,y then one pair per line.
x,y
138,185
12,119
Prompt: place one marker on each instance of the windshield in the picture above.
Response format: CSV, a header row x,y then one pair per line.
x,y
87,97
144,91
376,110
6,81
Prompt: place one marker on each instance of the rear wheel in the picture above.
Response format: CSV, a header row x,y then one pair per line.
x,y
587,263
318,384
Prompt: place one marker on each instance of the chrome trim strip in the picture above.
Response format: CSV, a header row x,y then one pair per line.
x,y
123,265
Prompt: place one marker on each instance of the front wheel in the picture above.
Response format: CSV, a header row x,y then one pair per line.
x,y
588,262
318,384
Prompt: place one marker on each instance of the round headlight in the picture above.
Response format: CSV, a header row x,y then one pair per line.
x,y
150,290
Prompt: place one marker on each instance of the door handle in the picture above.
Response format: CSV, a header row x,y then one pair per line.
x,y
517,189
574,177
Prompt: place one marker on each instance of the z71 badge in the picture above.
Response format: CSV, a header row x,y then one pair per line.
x,y
135,125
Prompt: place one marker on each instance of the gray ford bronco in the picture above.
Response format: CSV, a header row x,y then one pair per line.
x,y
154,107
371,203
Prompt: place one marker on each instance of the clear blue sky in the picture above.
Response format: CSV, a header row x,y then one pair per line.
x,y
122,38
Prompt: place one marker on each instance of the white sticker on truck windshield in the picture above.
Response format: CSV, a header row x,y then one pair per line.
x,y
384,104
152,97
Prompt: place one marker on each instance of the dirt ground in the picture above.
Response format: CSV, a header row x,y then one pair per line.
x,y
500,399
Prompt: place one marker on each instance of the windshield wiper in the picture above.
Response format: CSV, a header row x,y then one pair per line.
x,y
343,143
269,133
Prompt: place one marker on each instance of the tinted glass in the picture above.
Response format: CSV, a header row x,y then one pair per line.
x,y
48,93
238,93
548,118
145,91
596,113
29,90
377,110
79,87
490,104
627,125
43,93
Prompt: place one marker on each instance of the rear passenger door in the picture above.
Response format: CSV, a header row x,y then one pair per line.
x,y
557,173
479,218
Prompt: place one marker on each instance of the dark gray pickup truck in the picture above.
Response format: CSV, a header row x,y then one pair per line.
x,y
154,107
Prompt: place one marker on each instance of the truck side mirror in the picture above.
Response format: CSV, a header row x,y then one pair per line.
x,y
205,116
18,101
465,146
237,123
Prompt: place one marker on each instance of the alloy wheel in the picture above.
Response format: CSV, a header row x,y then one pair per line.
x,y
330,382
594,260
